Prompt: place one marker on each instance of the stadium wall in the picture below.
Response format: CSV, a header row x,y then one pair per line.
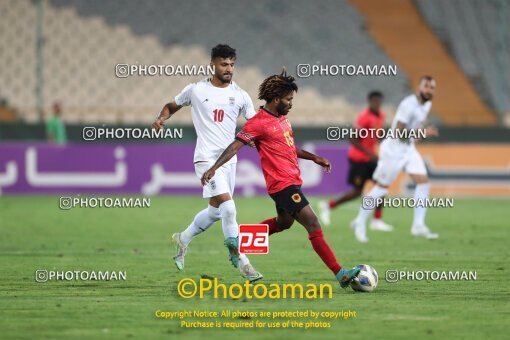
x,y
37,132
455,169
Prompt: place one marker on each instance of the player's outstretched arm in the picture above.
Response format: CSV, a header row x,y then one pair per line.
x,y
316,159
167,112
229,152
430,130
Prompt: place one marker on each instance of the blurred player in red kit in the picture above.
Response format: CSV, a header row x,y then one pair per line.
x,y
362,157
272,134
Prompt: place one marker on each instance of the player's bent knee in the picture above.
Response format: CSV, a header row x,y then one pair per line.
x,y
419,179
312,225
213,213
285,224
382,185
315,225
228,209
284,220
218,200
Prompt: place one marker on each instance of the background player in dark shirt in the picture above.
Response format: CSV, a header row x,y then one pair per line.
x,y
272,134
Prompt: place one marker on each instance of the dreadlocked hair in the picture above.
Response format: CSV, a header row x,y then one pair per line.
x,y
277,86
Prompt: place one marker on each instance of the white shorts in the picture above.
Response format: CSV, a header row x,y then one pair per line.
x,y
395,156
223,181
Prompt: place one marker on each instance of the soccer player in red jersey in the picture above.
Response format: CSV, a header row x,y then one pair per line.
x,y
362,161
272,134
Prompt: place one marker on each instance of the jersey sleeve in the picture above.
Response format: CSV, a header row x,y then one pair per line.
x,y
184,98
252,131
247,110
404,113
362,122
382,114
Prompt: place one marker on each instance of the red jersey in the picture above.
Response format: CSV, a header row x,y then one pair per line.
x,y
274,139
366,120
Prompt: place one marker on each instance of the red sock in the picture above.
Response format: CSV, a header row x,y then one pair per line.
x,y
378,213
332,203
273,226
322,249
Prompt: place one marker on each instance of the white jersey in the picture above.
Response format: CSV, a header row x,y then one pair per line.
x,y
396,155
214,111
411,112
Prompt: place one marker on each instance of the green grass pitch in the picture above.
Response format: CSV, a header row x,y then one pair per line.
x,y
35,234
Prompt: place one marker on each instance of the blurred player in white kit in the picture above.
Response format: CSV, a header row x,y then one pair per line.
x,y
397,154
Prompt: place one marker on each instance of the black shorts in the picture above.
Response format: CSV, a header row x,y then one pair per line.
x,y
360,172
291,199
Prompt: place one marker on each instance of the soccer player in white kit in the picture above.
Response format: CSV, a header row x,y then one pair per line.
x,y
396,155
216,103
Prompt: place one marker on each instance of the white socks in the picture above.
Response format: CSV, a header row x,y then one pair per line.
x,y
228,219
243,260
374,194
202,221
230,228
206,218
421,193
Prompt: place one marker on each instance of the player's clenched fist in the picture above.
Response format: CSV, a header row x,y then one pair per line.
x,y
431,131
158,124
324,163
206,177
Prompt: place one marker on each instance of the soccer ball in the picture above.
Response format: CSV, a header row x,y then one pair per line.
x,y
366,280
